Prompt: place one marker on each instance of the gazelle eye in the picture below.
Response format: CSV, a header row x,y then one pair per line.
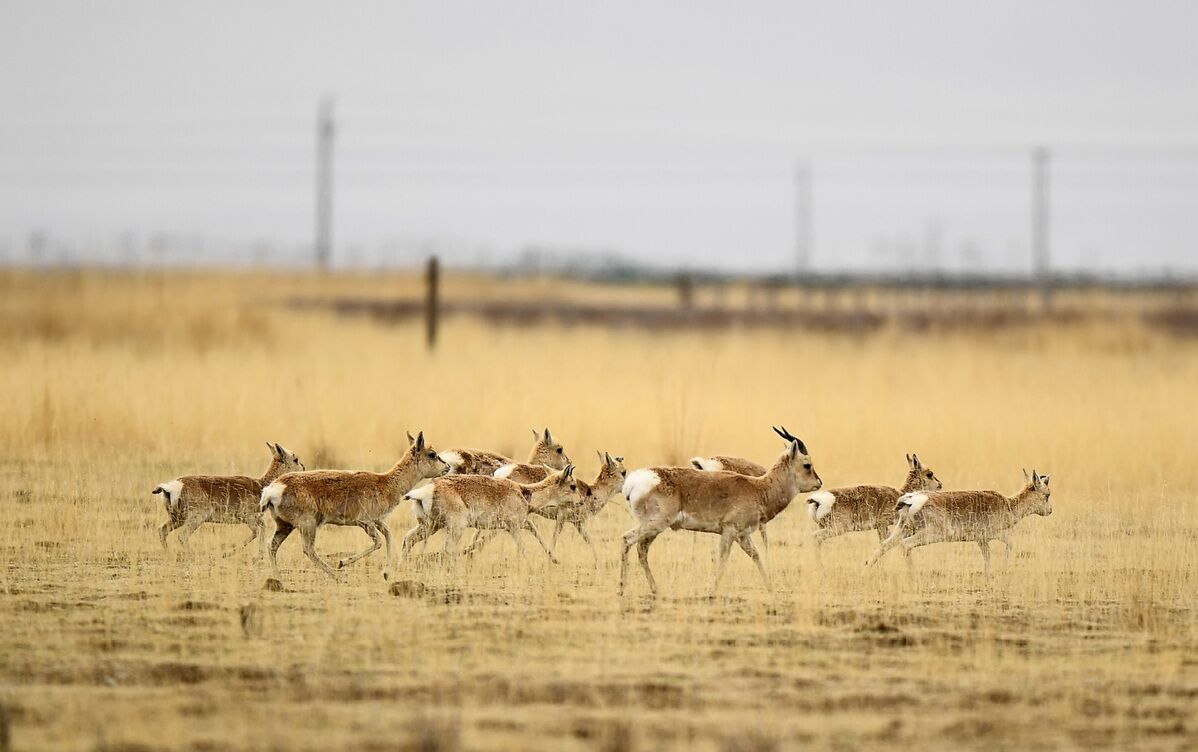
x,y
559,450
573,487
929,473
806,465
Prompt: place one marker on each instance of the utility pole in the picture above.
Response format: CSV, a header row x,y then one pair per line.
x,y
1040,248
324,184
802,217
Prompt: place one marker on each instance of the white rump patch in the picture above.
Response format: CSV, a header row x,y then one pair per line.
x,y
638,484
819,504
453,459
914,502
271,495
423,496
173,490
505,471
709,464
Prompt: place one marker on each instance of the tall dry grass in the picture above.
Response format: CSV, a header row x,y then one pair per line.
x,y
114,382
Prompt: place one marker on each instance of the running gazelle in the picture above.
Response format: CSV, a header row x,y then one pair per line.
x,y
837,511
743,466
484,502
192,500
594,496
925,517
728,504
311,499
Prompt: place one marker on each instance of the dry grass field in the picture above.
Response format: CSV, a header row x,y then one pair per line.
x,y
112,382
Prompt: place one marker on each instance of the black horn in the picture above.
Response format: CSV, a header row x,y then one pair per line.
x,y
791,437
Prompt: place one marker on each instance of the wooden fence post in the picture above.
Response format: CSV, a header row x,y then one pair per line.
x,y
431,309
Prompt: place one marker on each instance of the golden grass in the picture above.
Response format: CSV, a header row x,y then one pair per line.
x,y
114,382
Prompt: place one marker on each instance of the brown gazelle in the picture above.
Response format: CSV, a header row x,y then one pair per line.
x,y
193,500
595,496
837,511
726,463
337,497
484,502
728,504
961,516
545,451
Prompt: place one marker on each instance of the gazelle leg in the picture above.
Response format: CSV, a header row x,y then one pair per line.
x,y
726,539
817,539
381,526
375,544
630,539
192,524
558,524
255,525
642,550
537,534
765,540
581,526
420,532
309,537
1006,549
453,539
167,528
746,544
985,546
919,538
282,530
633,537
514,531
892,540
481,539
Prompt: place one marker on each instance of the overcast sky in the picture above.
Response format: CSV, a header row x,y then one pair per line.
x,y
667,132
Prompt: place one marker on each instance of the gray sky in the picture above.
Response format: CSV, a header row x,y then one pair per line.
x,y
668,132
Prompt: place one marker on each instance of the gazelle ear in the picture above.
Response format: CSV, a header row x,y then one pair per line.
x,y
1045,479
419,443
915,462
607,459
601,458
281,451
548,437
536,434
411,441
1025,476
793,451
1036,479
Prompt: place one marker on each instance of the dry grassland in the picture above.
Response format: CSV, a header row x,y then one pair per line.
x,y
111,383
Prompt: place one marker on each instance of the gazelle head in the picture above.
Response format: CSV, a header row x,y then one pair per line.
x,y
1037,493
548,452
560,489
283,461
923,477
799,462
425,459
610,479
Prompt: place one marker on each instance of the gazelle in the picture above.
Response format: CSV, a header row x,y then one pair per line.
x,y
595,496
728,504
337,497
742,466
959,516
456,502
545,451
192,500
837,511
